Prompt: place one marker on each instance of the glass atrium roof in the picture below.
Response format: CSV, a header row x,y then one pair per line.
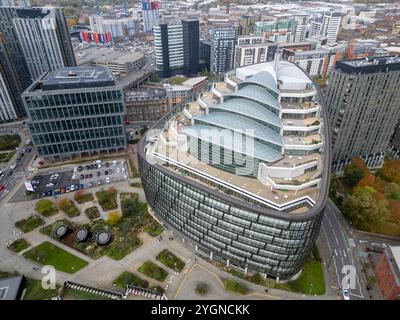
x,y
255,92
264,79
226,139
241,124
250,109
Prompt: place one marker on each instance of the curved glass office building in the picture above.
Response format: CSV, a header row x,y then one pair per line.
x,y
242,173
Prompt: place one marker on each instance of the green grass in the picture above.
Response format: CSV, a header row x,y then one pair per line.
x,y
47,253
151,270
126,278
311,280
73,294
136,185
170,260
30,223
235,287
35,291
19,245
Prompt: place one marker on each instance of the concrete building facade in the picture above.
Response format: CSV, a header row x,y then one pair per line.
x,y
362,100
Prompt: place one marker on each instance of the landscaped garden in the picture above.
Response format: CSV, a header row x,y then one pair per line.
x,y
6,156
152,270
30,223
154,229
9,141
170,260
370,200
202,288
311,280
107,198
46,207
92,213
81,196
129,278
123,227
47,253
69,207
35,291
19,245
235,286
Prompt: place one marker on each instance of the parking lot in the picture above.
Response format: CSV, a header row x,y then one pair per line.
x,y
82,176
99,173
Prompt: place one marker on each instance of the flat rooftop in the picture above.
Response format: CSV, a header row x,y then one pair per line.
x,y
77,78
369,65
106,55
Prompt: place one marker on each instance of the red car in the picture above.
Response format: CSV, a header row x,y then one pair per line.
x,y
2,187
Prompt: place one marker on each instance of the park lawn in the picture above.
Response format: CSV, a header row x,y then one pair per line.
x,y
47,253
130,278
151,270
311,280
235,286
30,223
72,294
35,291
170,260
19,245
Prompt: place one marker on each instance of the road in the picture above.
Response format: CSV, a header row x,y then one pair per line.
x,y
10,178
341,244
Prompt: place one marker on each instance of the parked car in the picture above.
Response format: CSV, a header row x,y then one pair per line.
x,y
108,180
107,164
82,177
86,176
72,188
106,172
98,173
346,294
80,168
125,177
2,187
67,189
90,176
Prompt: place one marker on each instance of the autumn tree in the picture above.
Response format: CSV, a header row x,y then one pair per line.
x,y
390,171
355,171
366,209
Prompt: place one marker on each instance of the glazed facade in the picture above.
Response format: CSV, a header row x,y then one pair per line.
x,y
225,222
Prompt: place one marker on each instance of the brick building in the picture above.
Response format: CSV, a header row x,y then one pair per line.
x,y
387,272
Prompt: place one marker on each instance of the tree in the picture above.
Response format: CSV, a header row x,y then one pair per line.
x,y
355,171
390,171
45,207
113,218
392,191
366,209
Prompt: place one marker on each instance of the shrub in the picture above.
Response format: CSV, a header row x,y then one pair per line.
x,y
107,198
30,223
130,207
113,217
68,206
154,229
170,260
202,288
92,212
128,278
236,287
82,197
19,245
45,207
151,270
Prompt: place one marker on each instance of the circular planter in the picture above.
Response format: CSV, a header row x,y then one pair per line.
x,y
81,234
103,237
61,230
